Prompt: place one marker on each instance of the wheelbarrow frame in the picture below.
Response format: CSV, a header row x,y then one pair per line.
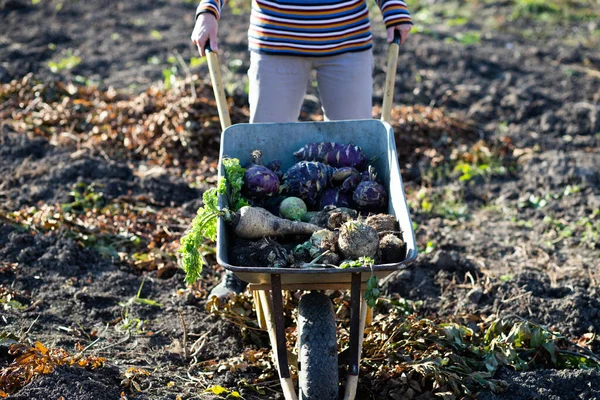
x,y
266,284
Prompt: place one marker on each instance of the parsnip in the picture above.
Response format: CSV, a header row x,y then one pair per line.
x,y
255,223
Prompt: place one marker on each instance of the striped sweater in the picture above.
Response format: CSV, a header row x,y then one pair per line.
x,y
312,27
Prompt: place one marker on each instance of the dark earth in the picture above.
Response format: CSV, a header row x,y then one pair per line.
x,y
523,240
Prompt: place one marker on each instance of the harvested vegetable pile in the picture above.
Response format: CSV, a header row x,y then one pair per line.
x,y
326,210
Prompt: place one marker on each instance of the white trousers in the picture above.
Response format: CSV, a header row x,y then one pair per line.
x,y
278,85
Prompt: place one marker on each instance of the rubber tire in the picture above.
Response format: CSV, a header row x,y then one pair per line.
x,y
317,353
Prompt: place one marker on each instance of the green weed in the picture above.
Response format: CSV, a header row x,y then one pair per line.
x,y
521,223
458,21
222,392
128,322
84,198
468,38
8,302
156,35
409,306
448,204
541,201
430,247
555,11
69,61
586,229
197,61
154,60
482,161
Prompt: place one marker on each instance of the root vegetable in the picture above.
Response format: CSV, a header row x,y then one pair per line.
x,y
260,181
308,217
324,240
350,183
370,195
358,240
256,222
337,219
275,166
292,208
333,196
265,252
322,217
334,154
306,180
383,222
349,177
393,249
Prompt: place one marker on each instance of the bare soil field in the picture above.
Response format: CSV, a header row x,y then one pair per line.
x,y
109,136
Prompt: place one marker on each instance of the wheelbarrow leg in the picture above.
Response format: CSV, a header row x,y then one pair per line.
x,y
273,314
260,315
358,318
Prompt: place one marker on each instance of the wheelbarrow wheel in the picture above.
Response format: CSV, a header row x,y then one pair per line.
x,y
317,342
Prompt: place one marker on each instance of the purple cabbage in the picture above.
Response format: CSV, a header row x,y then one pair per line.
x,y
259,181
334,196
334,154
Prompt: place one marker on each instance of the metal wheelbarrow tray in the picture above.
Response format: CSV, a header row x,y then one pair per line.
x,y
280,141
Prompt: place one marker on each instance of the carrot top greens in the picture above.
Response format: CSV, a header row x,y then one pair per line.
x,y
204,225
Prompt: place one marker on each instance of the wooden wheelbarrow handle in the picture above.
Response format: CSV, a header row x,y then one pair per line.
x,y
390,78
217,83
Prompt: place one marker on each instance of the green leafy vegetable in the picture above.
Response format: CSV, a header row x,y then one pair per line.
x,y
361,262
234,174
204,225
372,291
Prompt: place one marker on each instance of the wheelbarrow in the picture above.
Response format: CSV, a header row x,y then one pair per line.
x,y
318,355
